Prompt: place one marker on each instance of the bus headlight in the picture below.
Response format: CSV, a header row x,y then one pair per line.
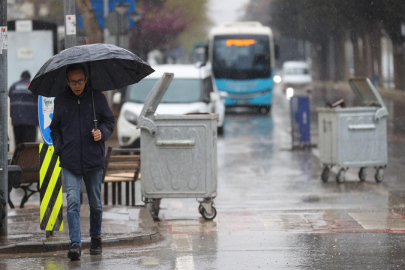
x,y
289,93
277,79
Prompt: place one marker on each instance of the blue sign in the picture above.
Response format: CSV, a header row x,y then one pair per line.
x,y
45,115
300,120
98,8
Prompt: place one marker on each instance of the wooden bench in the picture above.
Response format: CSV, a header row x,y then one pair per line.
x,y
26,156
122,165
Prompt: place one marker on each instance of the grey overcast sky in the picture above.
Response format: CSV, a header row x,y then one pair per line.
x,y
223,11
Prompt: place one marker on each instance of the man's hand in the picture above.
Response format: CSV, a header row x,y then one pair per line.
x,y
96,134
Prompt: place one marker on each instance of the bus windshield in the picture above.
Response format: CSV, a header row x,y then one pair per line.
x,y
241,57
179,91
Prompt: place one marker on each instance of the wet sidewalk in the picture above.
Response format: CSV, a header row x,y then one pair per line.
x,y
121,226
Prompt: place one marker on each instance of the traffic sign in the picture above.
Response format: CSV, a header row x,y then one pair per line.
x,y
45,115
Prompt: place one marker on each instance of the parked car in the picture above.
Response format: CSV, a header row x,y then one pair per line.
x,y
191,91
296,78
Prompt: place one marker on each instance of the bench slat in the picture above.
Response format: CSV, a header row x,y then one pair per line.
x,y
121,165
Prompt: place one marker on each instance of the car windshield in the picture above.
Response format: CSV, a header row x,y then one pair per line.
x,y
179,91
241,57
296,71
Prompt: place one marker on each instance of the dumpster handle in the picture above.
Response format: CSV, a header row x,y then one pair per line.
x,y
361,127
380,113
175,142
147,124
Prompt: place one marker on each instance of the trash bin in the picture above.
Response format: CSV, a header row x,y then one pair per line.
x,y
300,121
178,154
354,137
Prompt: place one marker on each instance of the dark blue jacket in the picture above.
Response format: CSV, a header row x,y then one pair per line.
x,y
71,130
23,104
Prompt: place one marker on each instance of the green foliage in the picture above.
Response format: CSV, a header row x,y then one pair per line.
x,y
168,23
315,20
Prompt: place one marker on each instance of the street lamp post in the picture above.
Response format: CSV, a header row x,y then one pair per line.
x,y
135,15
121,8
3,114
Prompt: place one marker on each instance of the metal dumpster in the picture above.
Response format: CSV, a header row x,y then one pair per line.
x,y
178,154
354,137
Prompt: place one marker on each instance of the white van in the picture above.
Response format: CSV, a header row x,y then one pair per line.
x,y
296,78
191,91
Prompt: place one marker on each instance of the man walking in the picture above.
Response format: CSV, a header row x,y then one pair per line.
x,y
81,151
23,110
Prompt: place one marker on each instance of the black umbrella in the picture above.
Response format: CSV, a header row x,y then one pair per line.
x,y
109,67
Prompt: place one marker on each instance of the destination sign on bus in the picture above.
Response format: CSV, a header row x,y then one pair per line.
x,y
240,42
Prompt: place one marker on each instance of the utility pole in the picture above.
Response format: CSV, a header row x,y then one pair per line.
x,y
70,23
3,112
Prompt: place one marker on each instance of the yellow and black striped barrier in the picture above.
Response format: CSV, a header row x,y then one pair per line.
x,y
50,185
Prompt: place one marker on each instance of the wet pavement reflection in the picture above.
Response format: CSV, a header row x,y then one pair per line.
x,y
274,212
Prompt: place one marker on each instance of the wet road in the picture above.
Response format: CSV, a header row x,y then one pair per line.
x,y
274,212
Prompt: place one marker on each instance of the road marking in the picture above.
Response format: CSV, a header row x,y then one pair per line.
x,y
183,245
379,221
150,261
185,263
183,242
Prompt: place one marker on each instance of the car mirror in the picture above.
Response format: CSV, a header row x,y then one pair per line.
x,y
213,97
223,94
117,98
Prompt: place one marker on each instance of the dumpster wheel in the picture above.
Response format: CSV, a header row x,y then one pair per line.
x,y
325,174
362,174
207,216
200,209
379,174
340,177
153,205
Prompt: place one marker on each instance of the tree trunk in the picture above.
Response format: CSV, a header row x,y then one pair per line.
x,y
357,61
339,57
367,56
91,27
315,61
320,61
323,60
377,55
399,66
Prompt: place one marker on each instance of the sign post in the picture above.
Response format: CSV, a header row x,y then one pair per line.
x,y
3,118
50,182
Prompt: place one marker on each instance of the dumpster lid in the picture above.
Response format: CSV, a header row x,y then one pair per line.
x,y
156,95
366,92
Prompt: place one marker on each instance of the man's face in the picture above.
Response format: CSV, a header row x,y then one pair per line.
x,y
77,81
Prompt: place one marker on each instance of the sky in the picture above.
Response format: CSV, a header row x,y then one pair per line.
x,y
223,11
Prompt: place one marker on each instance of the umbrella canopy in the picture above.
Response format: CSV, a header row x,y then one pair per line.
x,y
110,67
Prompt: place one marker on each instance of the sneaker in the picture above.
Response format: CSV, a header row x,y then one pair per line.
x,y
74,252
95,248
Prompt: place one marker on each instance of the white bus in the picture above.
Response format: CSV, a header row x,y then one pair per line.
x,y
242,56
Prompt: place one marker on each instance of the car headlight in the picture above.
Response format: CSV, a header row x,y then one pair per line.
x,y
277,79
131,117
289,93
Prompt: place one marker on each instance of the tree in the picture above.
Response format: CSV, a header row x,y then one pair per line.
x,y
393,20
327,24
91,27
158,28
165,21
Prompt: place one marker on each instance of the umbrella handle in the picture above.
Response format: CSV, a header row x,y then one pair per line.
x,y
95,124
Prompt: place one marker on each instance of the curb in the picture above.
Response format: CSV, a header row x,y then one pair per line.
x,y
37,247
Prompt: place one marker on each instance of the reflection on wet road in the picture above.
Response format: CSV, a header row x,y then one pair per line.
x,y
274,212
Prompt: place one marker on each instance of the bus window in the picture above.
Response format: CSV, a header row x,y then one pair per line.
x,y
241,57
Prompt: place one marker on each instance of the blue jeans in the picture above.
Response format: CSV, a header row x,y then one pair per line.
x,y
93,181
